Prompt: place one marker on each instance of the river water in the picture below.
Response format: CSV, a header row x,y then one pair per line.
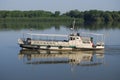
x,y
17,64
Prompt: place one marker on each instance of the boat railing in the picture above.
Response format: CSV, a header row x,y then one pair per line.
x,y
50,40
100,43
51,35
98,38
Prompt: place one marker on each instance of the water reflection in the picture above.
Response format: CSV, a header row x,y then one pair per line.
x,y
47,25
82,58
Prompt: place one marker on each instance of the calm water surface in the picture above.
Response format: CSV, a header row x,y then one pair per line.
x,y
17,64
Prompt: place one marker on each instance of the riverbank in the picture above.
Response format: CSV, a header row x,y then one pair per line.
x,y
83,16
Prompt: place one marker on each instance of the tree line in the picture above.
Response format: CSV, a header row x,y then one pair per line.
x,y
83,16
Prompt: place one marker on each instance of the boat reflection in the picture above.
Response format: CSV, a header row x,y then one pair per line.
x,y
82,58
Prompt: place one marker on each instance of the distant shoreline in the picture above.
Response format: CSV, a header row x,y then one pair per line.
x,y
41,15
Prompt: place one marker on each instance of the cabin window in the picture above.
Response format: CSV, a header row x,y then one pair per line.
x,y
72,38
77,37
86,40
78,34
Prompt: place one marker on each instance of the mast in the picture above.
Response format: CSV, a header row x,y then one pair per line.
x,y
73,26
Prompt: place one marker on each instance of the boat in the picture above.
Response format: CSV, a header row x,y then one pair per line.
x,y
72,41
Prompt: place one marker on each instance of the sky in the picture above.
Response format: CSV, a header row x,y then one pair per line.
x,y
60,5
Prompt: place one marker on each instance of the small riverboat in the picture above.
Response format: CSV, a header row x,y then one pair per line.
x,y
73,41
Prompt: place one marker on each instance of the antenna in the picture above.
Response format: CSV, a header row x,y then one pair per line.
x,y
74,24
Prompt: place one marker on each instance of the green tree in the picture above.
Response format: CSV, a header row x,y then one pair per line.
x,y
107,17
57,13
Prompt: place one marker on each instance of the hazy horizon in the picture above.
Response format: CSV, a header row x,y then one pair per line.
x,y
62,6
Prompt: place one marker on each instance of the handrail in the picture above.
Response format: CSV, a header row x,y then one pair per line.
x,y
54,35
